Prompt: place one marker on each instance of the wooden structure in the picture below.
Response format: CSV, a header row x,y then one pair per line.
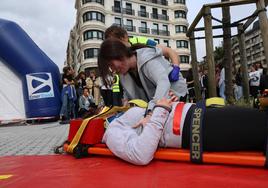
x,y
205,13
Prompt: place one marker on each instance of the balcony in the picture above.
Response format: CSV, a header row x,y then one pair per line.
x,y
130,28
159,17
93,1
128,11
143,14
125,10
116,9
144,30
160,32
160,2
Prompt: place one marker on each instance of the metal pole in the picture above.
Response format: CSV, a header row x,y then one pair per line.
x,y
197,87
209,53
243,61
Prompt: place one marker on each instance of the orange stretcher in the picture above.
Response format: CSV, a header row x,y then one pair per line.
x,y
90,144
227,158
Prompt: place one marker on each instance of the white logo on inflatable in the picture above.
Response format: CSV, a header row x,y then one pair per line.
x,y
33,90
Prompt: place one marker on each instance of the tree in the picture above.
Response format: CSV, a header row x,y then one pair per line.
x,y
218,54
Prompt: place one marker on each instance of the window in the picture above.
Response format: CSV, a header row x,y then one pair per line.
x,y
143,8
117,7
117,4
180,29
144,24
129,6
128,9
117,21
164,15
129,25
254,39
155,13
166,42
155,29
182,44
143,12
92,15
180,14
155,26
180,1
165,31
93,34
165,27
91,53
184,59
93,1
143,28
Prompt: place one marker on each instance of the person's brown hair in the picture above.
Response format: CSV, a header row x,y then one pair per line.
x,y
115,31
66,69
111,49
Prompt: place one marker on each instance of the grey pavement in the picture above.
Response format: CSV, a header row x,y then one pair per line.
x,y
37,139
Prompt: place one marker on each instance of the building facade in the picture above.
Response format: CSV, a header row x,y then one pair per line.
x,y
165,21
254,46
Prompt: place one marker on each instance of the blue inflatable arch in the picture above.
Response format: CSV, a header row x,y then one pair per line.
x,y
39,75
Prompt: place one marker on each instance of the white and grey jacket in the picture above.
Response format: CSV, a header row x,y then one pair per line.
x,y
138,145
153,71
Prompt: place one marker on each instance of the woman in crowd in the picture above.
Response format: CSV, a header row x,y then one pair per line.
x,y
87,105
93,84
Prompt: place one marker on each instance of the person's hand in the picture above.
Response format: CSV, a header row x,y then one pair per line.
x,y
142,122
165,102
173,97
174,74
125,103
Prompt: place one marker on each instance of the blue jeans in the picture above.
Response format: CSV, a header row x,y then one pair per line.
x,y
238,92
68,107
222,90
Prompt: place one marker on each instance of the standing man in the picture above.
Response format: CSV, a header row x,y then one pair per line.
x,y
117,94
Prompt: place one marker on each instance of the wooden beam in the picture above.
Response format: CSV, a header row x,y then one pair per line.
x,y
197,87
209,51
243,61
213,27
214,36
229,3
250,21
263,27
216,5
195,22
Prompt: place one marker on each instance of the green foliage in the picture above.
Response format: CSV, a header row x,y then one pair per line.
x,y
243,103
218,53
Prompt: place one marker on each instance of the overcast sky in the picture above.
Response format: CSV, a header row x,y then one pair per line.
x,y
48,22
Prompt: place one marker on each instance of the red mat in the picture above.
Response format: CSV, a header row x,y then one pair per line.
x,y
66,171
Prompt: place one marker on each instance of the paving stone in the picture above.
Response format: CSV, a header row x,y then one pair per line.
x,y
31,139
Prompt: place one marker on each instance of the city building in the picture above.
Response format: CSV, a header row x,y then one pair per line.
x,y
165,21
254,46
